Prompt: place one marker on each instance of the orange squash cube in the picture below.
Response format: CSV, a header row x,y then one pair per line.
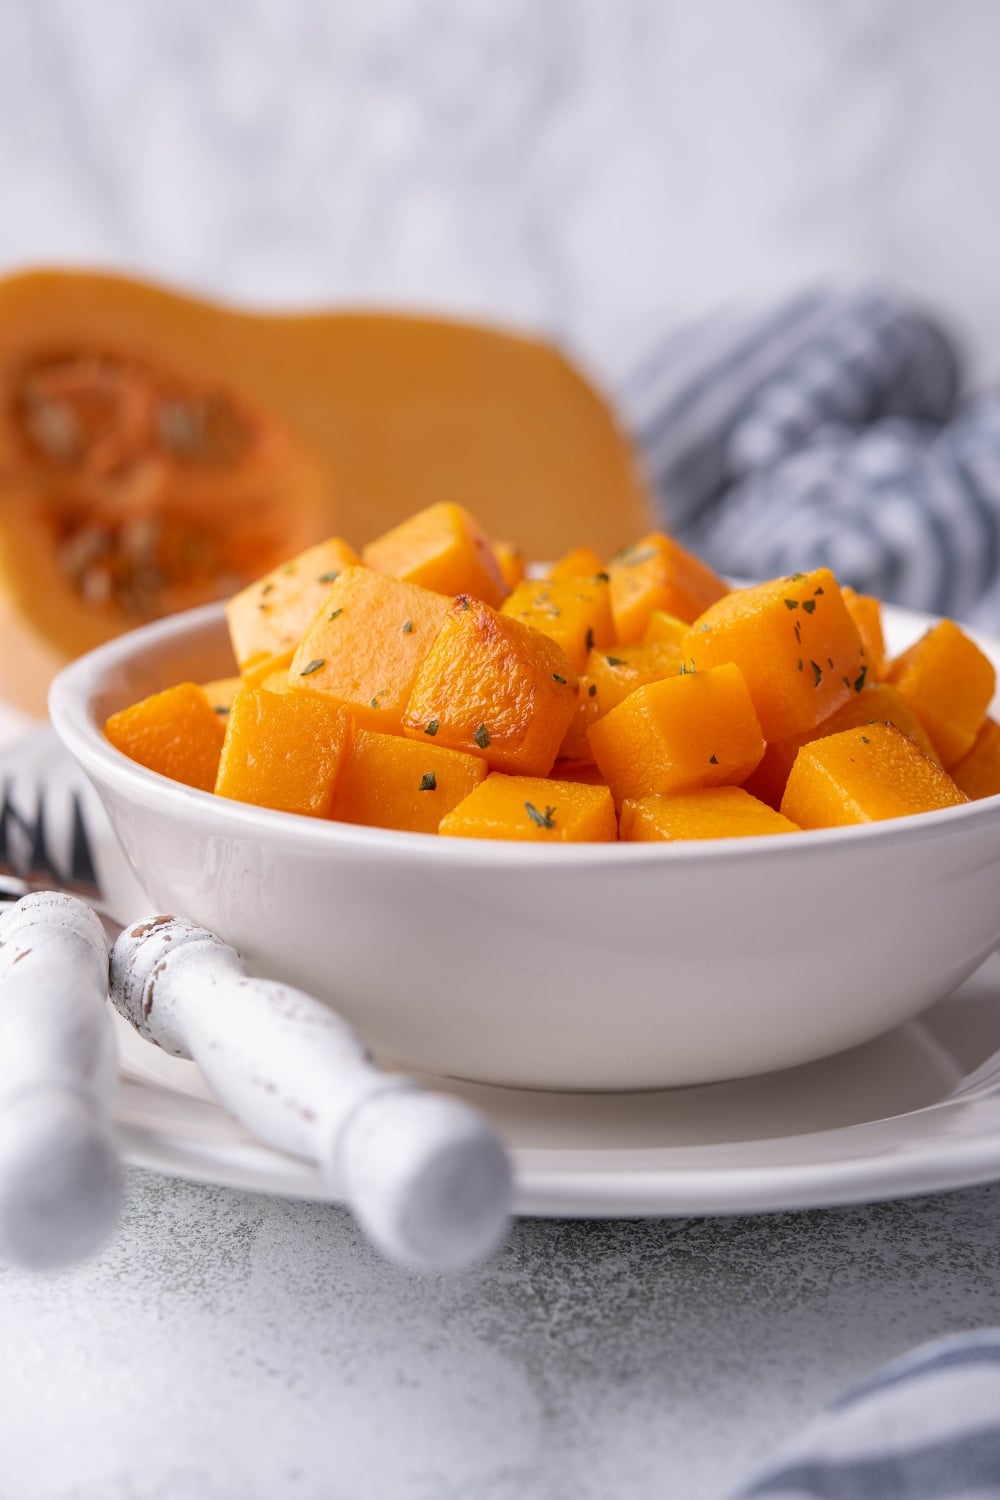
x,y
866,612
581,562
978,772
699,729
535,809
391,782
440,548
268,618
176,732
494,687
284,750
863,776
510,561
878,704
367,644
950,684
608,679
657,573
795,643
576,612
715,812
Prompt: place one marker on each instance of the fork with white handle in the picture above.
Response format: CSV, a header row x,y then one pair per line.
x,y
425,1175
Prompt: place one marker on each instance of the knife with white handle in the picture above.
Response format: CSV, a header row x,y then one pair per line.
x,y
60,1176
424,1173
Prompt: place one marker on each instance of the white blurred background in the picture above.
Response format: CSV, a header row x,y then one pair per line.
x,y
597,169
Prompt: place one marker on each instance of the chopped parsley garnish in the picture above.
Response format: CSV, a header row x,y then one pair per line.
x,y
432,727
859,681
221,708
817,673
592,690
540,819
801,665
373,703
865,740
616,661
463,600
267,588
557,678
313,666
809,605
713,760
407,627
428,782
791,603
334,613
481,736
328,577
602,577
589,642
818,591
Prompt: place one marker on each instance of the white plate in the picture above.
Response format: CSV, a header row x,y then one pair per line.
x,y
915,1111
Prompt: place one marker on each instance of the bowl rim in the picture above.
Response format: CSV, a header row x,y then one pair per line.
x,y
71,709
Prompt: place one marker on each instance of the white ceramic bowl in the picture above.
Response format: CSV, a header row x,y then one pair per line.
x,y
572,967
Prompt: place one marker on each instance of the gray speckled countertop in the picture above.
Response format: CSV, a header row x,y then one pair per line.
x,y
235,1346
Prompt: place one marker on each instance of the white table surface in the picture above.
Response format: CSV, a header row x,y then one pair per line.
x,y
232,1347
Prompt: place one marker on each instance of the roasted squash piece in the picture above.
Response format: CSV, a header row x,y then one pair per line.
x,y
717,812
950,683
863,776
534,809
878,703
442,548
367,643
176,732
576,612
269,617
696,730
866,612
978,772
493,687
608,678
794,642
658,573
284,750
391,782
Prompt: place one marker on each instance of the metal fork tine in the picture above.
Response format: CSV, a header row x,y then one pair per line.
x,y
82,869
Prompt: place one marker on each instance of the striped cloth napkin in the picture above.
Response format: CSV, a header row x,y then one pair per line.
x,y
926,1427
828,432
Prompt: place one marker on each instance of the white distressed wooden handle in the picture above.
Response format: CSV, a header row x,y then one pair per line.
x,y
60,1176
425,1174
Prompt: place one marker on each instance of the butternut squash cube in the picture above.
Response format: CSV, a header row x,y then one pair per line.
x,y
510,561
609,677
269,617
866,612
535,809
176,732
696,730
665,629
716,812
581,562
284,750
494,687
657,573
863,776
880,703
978,772
795,643
576,612
440,548
366,645
391,782
950,683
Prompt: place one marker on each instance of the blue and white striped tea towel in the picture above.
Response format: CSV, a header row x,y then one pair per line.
x,y
827,434
926,1427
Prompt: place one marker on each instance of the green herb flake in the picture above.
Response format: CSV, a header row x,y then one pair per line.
x,y
481,736
713,760
632,559
432,728
798,631
463,600
794,577
289,570
334,613
809,605
540,819
616,661
592,690
791,603
829,662
221,708
801,665
859,681
267,588
407,627
818,591
865,740
428,782
589,642
313,666
328,577
817,673
373,703
557,678
846,681
602,577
